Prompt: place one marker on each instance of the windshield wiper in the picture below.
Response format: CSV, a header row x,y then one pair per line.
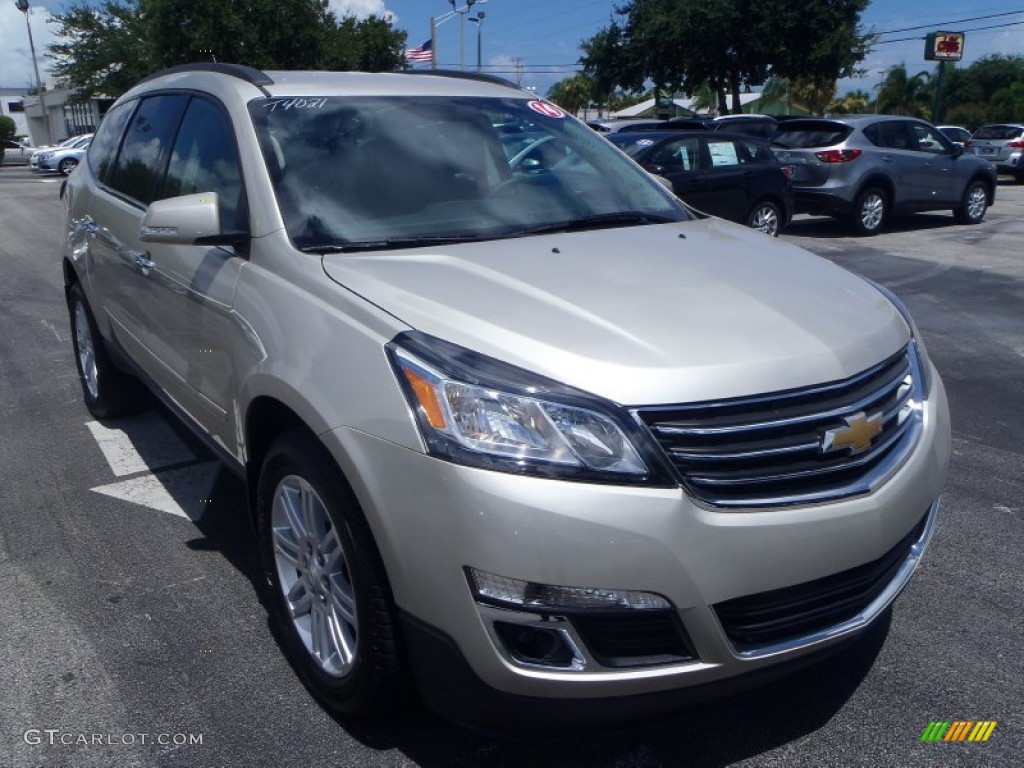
x,y
392,243
597,221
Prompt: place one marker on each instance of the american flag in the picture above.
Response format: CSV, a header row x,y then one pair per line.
x,y
421,52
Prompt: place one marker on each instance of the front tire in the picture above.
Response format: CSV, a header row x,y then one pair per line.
x,y
973,204
328,594
67,165
765,217
869,212
107,391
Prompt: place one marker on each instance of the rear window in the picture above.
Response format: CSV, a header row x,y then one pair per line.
x,y
804,134
998,132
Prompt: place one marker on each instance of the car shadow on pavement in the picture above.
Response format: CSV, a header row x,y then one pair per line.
x,y
711,734
829,228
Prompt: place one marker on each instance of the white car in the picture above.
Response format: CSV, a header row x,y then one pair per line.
x,y
74,141
63,159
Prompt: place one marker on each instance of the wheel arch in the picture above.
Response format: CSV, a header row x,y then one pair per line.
x,y
990,188
878,180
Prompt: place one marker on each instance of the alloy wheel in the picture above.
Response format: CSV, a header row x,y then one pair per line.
x,y
313,571
86,351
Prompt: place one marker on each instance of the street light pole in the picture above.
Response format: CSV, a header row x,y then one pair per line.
x,y
23,7
479,20
462,27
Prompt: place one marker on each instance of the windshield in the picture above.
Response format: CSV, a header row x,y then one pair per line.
x,y
375,171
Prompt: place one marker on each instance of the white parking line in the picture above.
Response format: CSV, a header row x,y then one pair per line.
x,y
184,492
152,445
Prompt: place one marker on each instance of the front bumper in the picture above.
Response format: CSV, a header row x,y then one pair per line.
x,y
433,519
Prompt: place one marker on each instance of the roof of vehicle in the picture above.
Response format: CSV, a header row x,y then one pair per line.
x,y
744,116
625,137
310,83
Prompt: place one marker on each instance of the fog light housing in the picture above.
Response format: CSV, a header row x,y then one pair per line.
x,y
528,595
530,644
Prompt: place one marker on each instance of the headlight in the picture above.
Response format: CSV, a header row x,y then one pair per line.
x,y
475,410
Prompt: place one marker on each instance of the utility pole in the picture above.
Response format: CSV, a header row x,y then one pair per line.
x,y
23,7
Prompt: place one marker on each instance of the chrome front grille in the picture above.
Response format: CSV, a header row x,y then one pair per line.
x,y
820,443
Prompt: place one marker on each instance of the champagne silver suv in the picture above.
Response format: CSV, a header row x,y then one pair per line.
x,y
519,430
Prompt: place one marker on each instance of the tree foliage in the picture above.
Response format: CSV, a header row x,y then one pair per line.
x,y
903,94
107,48
729,44
572,93
988,91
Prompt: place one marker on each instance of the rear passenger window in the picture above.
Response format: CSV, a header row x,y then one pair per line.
x,y
204,159
104,144
679,155
723,153
894,135
140,166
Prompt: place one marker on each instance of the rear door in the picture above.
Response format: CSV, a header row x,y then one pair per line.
x,y
731,178
683,162
130,183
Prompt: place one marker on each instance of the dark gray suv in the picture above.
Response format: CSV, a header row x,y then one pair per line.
x,y
866,167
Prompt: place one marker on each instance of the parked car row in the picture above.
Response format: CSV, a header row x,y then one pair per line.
x,y
859,168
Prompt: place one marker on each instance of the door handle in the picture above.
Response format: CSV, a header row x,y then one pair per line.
x,y
143,262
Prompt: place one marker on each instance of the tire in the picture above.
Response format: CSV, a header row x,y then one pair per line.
x,y
973,204
1019,177
322,571
67,165
869,212
107,391
765,217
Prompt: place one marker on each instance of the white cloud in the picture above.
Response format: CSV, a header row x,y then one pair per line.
x,y
360,8
15,56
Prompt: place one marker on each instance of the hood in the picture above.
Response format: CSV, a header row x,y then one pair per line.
x,y
647,315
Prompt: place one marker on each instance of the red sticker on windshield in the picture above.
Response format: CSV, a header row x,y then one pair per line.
x,y
548,110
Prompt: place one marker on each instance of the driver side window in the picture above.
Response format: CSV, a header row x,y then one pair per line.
x,y
204,159
929,140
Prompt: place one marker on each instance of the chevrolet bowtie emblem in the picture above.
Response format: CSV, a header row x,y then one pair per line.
x,y
857,435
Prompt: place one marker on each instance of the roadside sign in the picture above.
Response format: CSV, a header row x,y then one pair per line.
x,y
944,46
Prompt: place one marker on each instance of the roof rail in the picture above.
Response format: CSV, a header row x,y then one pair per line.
x,y
480,76
249,74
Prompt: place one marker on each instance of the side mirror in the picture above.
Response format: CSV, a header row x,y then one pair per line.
x,y
182,220
958,149
657,170
664,182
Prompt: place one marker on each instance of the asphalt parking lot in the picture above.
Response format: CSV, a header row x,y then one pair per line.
x,y
132,633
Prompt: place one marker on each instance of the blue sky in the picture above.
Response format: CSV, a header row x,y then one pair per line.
x,y
543,36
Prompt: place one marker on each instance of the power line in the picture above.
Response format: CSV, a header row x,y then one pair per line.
x,y
976,29
958,21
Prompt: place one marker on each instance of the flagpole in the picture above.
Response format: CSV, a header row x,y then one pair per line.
x,y
433,43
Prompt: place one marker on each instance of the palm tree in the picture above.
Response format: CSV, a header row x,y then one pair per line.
x,y
853,103
573,93
901,94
